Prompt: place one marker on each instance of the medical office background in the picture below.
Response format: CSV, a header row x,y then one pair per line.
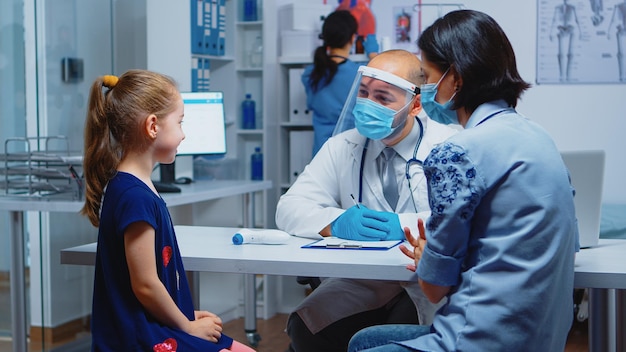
x,y
587,111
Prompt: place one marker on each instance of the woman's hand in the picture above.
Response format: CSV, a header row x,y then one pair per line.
x,y
207,326
418,244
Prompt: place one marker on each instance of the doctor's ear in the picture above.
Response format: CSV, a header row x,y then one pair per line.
x,y
416,105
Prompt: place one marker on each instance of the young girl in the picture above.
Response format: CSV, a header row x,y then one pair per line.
x,y
142,301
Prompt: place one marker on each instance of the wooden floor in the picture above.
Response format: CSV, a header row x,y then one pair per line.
x,y
272,331
275,339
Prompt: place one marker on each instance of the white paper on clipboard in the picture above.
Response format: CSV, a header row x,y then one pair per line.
x,y
340,243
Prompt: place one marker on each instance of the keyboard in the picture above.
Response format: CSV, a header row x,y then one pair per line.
x,y
163,187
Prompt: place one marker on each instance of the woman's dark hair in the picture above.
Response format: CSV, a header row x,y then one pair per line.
x,y
337,31
479,52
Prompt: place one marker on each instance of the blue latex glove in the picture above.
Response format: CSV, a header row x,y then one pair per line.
x,y
363,224
370,44
395,231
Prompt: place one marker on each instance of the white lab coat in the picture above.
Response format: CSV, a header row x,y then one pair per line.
x,y
323,191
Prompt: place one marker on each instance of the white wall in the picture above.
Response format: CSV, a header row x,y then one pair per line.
x,y
581,116
585,116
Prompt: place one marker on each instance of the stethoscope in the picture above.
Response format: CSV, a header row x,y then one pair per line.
x,y
407,166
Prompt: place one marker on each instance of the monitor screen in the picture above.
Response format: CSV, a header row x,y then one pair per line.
x,y
203,124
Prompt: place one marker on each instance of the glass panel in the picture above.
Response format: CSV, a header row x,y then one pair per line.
x,y
12,123
76,48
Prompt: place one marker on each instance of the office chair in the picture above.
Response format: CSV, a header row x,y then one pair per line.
x,y
312,281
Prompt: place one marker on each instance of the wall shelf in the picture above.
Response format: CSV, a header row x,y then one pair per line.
x,y
256,132
258,70
224,58
296,125
250,24
300,60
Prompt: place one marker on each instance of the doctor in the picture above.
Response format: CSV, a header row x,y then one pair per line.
x,y
387,112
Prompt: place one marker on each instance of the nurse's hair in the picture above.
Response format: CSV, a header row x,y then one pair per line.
x,y
337,31
477,50
114,126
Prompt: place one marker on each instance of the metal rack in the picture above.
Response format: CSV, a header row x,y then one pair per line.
x,y
40,167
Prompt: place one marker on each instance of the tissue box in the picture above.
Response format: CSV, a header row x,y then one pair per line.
x,y
299,43
303,16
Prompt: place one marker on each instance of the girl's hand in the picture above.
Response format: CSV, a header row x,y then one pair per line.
x,y
199,314
207,326
417,243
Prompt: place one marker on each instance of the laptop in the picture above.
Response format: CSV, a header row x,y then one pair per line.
x,y
586,169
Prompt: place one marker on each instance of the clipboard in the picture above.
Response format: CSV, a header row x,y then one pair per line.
x,y
340,243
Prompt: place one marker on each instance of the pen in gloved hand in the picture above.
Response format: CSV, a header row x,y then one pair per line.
x,y
354,200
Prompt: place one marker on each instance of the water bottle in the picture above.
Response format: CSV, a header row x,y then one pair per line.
x,y
256,164
248,109
249,10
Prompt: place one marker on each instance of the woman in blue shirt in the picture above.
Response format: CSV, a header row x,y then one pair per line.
x,y
328,80
500,243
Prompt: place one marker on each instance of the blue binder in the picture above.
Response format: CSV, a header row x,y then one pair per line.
x,y
221,42
196,73
206,75
211,27
197,26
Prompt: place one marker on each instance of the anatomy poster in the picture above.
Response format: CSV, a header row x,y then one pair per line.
x,y
403,22
581,41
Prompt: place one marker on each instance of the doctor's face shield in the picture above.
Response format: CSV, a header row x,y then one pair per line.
x,y
378,104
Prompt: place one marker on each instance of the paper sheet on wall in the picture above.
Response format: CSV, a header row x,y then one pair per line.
x,y
581,41
402,21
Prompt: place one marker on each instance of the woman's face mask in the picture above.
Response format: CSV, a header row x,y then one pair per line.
x,y
375,121
438,112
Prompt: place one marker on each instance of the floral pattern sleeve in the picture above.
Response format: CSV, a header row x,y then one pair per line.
x,y
454,191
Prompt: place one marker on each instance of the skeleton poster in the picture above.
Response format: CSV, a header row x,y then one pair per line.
x,y
581,41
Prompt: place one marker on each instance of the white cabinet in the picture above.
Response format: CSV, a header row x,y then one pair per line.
x,y
294,117
300,24
156,35
295,121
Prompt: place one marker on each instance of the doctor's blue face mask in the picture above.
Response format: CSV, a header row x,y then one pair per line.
x,y
436,111
372,104
373,120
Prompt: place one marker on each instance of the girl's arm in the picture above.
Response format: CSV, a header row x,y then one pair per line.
x,y
139,247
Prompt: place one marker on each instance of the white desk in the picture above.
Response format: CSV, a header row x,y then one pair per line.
x,y
603,268
210,249
192,193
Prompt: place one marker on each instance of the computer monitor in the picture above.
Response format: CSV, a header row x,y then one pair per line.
x,y
205,132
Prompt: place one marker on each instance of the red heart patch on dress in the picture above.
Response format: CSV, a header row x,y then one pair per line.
x,y
167,255
168,345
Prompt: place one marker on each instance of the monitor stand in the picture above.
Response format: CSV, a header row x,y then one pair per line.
x,y
168,176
